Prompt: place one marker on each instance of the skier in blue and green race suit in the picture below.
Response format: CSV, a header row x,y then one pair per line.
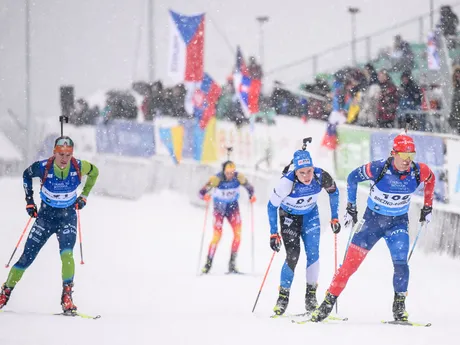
x,y
60,176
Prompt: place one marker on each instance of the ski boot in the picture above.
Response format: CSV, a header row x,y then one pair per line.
x,y
282,302
5,294
399,307
310,298
207,266
324,309
68,307
231,264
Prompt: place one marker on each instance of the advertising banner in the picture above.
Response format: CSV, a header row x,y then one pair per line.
x,y
126,138
353,150
453,163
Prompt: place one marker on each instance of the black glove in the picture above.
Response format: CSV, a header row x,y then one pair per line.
x,y
351,215
425,214
80,202
335,226
31,208
275,242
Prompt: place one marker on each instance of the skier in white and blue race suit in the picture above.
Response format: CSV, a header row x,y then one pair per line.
x,y
294,199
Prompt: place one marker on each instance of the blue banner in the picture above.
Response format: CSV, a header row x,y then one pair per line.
x,y
189,137
126,138
430,150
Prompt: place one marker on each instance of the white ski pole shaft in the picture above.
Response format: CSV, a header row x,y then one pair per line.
x,y
421,224
202,236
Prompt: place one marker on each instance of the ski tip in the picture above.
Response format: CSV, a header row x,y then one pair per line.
x,y
337,318
89,316
303,322
66,314
327,320
287,315
76,314
407,323
241,274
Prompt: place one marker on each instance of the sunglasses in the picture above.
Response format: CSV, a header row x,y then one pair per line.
x,y
406,155
64,142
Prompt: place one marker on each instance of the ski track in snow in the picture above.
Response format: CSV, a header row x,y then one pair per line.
x,y
140,274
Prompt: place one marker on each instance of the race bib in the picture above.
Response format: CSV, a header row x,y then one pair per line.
x,y
226,194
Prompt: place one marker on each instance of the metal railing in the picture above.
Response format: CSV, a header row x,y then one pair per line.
x,y
326,61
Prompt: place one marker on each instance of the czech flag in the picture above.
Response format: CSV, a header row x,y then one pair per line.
x,y
186,47
205,100
247,88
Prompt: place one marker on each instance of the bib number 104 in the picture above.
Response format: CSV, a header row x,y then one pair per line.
x,y
396,197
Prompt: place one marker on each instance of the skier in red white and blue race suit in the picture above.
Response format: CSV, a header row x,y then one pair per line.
x,y
226,185
394,181
60,176
294,200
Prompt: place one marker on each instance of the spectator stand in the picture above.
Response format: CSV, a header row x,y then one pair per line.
x,y
435,84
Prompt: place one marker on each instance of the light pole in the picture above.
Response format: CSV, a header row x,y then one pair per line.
x,y
353,11
431,15
262,20
28,155
150,40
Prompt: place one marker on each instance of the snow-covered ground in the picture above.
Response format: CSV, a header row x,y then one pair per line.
x,y
140,275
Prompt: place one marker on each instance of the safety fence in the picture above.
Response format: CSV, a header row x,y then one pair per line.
x,y
130,177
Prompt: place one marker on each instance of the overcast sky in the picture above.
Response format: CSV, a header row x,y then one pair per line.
x,y
92,44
